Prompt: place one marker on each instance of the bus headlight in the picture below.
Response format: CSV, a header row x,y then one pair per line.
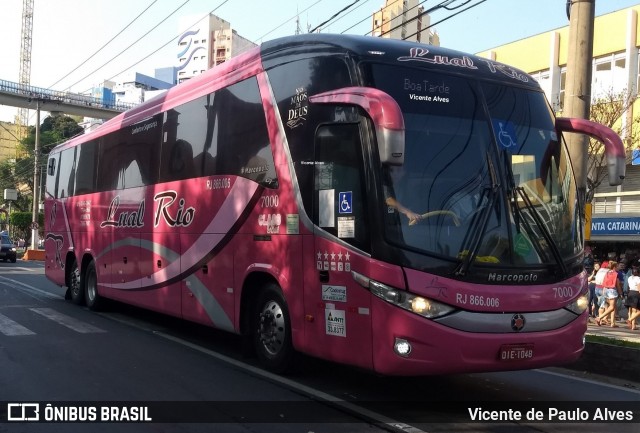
x,y
579,305
416,304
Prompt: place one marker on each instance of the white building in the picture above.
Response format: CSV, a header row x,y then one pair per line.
x,y
209,42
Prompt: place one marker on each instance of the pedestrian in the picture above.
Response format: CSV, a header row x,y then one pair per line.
x,y
612,290
632,301
593,299
622,278
599,278
588,263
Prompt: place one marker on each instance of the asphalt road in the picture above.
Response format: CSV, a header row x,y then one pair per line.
x,y
52,351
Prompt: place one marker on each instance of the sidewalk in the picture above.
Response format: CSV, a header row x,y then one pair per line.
x,y
608,359
621,333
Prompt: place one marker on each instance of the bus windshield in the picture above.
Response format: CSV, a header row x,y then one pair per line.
x,y
485,177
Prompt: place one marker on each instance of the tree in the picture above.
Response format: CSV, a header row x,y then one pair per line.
x,y
18,174
21,224
615,110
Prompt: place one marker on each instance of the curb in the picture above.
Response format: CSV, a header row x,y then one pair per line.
x,y
609,360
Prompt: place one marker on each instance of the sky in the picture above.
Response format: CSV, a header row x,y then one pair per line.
x,y
68,33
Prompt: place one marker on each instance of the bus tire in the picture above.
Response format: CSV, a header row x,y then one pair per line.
x,y
272,337
90,283
76,294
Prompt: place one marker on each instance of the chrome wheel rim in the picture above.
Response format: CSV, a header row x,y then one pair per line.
x,y
272,329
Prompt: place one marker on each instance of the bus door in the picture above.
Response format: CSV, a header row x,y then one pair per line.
x,y
341,325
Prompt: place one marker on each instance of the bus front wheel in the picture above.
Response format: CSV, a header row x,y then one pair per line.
x,y
272,338
90,283
75,285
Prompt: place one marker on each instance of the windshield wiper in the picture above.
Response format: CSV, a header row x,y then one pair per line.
x,y
475,233
542,226
514,192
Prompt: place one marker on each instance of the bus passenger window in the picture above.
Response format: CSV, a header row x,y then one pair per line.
x,y
87,161
52,179
244,148
67,173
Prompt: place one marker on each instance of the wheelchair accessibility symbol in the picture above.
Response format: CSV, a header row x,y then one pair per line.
x,y
345,205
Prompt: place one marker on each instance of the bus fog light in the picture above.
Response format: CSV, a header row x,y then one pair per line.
x,y
402,347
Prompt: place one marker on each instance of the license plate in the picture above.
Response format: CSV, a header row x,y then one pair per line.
x,y
515,352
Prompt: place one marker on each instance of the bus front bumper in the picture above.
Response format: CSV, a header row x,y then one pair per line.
x,y
406,344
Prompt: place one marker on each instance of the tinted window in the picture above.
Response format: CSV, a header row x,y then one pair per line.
x,y
52,175
87,161
130,157
293,83
67,173
223,133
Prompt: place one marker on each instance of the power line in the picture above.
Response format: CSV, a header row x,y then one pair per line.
x,y
450,16
441,5
285,22
137,40
368,17
353,10
169,41
334,15
102,47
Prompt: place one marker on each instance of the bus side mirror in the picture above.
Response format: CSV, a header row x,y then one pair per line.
x,y
613,147
383,111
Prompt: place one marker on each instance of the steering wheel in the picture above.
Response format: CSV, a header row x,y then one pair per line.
x,y
453,215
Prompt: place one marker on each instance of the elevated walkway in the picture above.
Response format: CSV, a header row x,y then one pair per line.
x,y
31,97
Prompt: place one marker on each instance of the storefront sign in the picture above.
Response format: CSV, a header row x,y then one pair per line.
x,y
615,226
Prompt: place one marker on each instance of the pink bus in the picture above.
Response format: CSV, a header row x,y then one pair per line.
x,y
393,206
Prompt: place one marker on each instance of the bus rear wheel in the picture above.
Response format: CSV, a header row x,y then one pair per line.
x,y
90,283
272,338
75,285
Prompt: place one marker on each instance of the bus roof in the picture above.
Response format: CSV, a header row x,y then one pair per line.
x,y
281,50
387,50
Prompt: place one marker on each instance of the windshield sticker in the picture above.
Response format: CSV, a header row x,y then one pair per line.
x,y
522,245
326,205
421,55
346,200
505,133
506,70
346,227
299,106
427,91
417,54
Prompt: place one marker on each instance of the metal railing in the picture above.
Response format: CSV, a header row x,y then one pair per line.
x,y
64,97
616,202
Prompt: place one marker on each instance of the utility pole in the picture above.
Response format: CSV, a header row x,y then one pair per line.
x,y
36,175
577,101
